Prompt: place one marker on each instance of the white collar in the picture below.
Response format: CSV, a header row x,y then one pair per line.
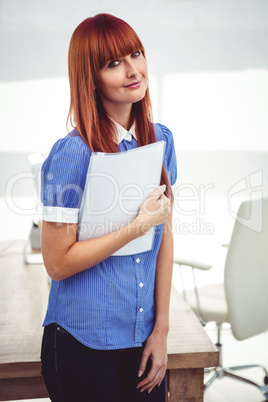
x,y
123,134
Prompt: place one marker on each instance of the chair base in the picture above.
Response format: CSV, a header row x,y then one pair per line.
x,y
220,372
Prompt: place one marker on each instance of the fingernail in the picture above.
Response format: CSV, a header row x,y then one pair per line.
x,y
139,373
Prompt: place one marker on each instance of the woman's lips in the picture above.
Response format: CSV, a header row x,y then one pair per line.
x,y
134,85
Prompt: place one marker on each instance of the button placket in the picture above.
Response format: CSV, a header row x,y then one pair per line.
x,y
140,299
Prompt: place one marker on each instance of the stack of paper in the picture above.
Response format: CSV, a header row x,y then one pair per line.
x,y
116,185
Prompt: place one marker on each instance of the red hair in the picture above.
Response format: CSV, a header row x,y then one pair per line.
x,y
94,41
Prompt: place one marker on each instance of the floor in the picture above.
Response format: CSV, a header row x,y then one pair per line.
x,y
250,351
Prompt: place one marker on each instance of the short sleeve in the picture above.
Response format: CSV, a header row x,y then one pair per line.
x,y
170,160
63,179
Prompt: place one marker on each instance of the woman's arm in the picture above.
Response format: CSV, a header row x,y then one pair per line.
x,y
64,256
156,344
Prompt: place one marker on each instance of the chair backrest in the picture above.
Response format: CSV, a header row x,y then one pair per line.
x,y
246,270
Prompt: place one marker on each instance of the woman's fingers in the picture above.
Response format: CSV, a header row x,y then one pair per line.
x,y
154,210
154,377
143,363
158,191
155,350
156,203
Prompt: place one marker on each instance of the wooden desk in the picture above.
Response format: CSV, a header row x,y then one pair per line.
x,y
190,350
23,301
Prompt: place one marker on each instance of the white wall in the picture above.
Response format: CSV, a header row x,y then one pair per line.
x,y
207,59
208,64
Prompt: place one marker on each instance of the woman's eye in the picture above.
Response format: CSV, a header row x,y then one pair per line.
x,y
113,63
136,54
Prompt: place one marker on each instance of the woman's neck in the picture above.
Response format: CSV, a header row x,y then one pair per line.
x,y
121,117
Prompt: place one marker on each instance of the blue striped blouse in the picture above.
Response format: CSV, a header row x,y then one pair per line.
x,y
110,305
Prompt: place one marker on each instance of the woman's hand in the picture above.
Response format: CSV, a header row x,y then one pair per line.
x,y
156,350
154,210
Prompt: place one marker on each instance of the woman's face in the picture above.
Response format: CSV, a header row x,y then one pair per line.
x,y
122,82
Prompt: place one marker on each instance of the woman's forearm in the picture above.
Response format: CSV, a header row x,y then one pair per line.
x,y
71,257
163,279
156,344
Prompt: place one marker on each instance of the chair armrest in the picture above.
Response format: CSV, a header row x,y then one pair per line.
x,y
193,264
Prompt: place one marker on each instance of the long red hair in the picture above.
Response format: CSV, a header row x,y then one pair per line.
x,y
94,41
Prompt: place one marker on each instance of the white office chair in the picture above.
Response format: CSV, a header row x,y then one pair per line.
x,y
34,238
242,300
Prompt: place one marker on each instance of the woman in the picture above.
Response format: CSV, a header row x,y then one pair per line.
x,y
105,335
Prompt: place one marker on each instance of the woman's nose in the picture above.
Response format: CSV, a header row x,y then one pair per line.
x,y
131,69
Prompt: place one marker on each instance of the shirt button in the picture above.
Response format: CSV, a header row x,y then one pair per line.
x,y
141,285
141,310
138,260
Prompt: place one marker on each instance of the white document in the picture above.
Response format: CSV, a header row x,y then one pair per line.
x,y
116,185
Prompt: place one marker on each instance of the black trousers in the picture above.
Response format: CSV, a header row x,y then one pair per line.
x,y
75,373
